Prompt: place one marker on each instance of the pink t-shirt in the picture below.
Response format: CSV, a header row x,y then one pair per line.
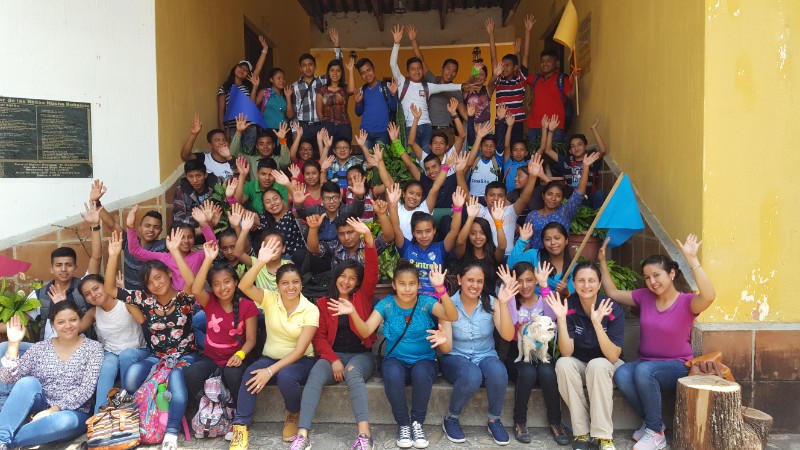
x,y
665,335
221,338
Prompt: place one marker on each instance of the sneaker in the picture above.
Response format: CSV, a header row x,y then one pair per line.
x,y
404,436
452,429
638,434
290,420
521,433
169,445
561,434
418,435
229,435
651,441
498,432
300,442
363,442
582,442
606,444
240,439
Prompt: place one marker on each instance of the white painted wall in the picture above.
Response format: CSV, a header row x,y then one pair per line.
x,y
97,52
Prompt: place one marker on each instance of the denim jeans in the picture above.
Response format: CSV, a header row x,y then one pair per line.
x,y
358,368
641,383
199,327
466,377
289,380
176,384
248,139
596,199
112,365
526,375
535,134
5,388
373,137
338,130
27,396
424,135
202,369
396,375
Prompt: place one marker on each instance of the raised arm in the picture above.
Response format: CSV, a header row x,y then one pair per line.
x,y
706,293
412,34
534,170
296,143
445,309
461,133
393,195
381,209
314,221
397,34
96,192
173,245
473,208
459,197
377,152
588,160
566,345
601,144
412,133
269,250
489,26
342,307
262,58
610,350
498,211
620,296
242,248
210,250
92,218
194,130
114,250
480,132
530,20
549,125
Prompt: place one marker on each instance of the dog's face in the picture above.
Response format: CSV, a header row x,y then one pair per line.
x,y
543,329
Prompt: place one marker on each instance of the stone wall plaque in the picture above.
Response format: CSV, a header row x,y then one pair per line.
x,y
45,138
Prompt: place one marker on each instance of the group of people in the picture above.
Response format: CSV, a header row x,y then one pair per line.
x,y
482,233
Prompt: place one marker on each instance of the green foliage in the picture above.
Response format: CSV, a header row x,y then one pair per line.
x,y
624,278
582,221
14,301
387,261
559,147
218,197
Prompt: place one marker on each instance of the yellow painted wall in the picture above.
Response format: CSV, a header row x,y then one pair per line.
x,y
434,57
751,220
197,43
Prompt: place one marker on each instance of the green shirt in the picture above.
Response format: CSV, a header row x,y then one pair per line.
x,y
253,193
265,279
281,158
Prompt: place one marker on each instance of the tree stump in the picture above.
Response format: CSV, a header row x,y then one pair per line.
x,y
760,422
708,416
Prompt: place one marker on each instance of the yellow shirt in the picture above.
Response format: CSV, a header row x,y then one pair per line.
x,y
284,330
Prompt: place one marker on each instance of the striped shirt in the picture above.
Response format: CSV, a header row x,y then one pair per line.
x,y
305,95
511,93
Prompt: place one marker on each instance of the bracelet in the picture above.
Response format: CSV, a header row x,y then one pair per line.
x,y
439,295
263,52
446,168
295,178
498,223
475,72
456,209
282,141
97,228
690,268
455,116
240,354
97,203
231,200
270,371
545,291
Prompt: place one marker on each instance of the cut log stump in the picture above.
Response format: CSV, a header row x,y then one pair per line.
x,y
709,416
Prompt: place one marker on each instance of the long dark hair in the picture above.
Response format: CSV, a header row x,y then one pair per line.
x,y
488,250
226,86
544,256
520,268
333,290
419,217
63,306
148,267
91,277
218,267
342,81
667,264
484,297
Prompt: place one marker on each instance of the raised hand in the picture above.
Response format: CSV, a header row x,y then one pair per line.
x,y
361,138
392,86
489,25
211,250
510,119
242,165
299,193
542,272
241,123
498,68
56,294
526,233
483,129
437,337
412,32
287,94
15,330
501,112
254,79
130,221
545,122
334,35
451,159
554,122
508,291
358,96
377,152
470,109
230,187
114,244
505,274
380,206
452,106
295,171
208,210
92,215
393,193
558,306
595,123
535,166
591,158
199,216
530,20
174,239
97,191
216,215
340,307
120,280
314,220
235,216
369,158
459,197
350,64
436,276
601,254
269,250
397,34
357,186
690,247
473,207
498,210
394,132
283,130
605,308
296,127
326,163
461,161
359,226
248,221
416,112
197,125
264,45
281,178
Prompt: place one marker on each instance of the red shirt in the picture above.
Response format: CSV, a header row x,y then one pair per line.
x,y
547,98
221,338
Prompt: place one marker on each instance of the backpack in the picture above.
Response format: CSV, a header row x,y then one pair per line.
x,y
214,417
386,96
116,426
151,429
569,110
407,83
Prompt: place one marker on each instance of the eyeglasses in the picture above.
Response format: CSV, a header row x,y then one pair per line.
x,y
331,199
342,147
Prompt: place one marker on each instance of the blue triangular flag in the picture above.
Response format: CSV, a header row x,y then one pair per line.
x,y
241,103
621,216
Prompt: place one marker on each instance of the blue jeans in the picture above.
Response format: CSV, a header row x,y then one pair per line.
x,y
396,375
199,327
424,136
112,365
641,383
596,199
27,396
289,380
338,130
466,377
5,388
535,134
176,385
373,137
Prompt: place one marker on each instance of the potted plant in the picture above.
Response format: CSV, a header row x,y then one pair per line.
x,y
624,278
386,264
578,227
14,301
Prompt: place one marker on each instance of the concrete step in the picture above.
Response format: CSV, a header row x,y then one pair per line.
x,y
334,407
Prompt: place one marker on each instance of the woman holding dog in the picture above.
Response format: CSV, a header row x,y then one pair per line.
x,y
667,318
526,307
590,335
470,357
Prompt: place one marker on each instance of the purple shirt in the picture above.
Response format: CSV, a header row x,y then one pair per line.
x,y
194,259
523,315
665,335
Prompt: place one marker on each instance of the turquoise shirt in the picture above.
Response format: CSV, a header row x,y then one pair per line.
x,y
414,346
274,108
473,335
519,254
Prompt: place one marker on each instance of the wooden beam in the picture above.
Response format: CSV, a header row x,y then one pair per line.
x,y
442,13
314,11
416,5
429,5
509,7
377,9
357,5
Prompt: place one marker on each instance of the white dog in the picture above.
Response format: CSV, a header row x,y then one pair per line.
x,y
533,339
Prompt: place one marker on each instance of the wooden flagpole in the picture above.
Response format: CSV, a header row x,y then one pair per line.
x,y
591,228
577,83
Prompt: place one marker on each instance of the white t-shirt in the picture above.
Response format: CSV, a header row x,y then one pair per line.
x,y
443,158
117,330
222,170
509,225
404,216
483,173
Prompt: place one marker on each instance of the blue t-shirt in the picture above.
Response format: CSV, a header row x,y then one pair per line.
x,y
423,259
374,109
414,346
473,336
510,172
519,254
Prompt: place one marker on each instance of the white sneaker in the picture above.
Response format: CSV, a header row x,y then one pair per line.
x,y
418,435
651,441
638,434
229,435
404,436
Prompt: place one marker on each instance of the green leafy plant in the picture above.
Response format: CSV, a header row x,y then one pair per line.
x,y
582,221
218,197
14,301
387,261
624,278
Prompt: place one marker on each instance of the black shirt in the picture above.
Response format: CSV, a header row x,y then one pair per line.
x,y
346,341
582,331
